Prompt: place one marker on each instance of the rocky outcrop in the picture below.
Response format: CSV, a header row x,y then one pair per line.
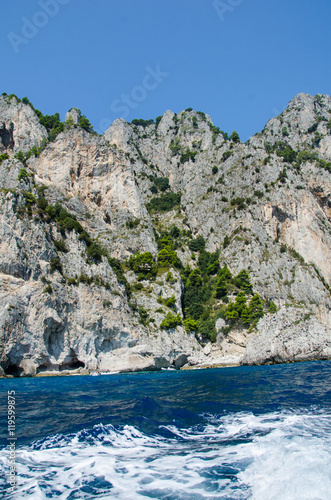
x,y
20,129
289,335
75,210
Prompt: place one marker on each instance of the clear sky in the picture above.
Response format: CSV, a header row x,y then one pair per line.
x,y
240,61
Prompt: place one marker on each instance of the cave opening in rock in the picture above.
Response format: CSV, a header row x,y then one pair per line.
x,y
13,369
72,365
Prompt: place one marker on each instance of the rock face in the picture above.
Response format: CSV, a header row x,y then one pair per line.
x,y
287,336
75,210
20,129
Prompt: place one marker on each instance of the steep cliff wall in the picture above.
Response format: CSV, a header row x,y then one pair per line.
x,y
185,201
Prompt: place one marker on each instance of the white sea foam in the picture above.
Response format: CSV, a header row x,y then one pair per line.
x,y
261,457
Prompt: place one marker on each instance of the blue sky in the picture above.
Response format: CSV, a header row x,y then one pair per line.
x,y
240,61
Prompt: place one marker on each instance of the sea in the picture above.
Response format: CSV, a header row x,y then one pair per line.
x,y
257,432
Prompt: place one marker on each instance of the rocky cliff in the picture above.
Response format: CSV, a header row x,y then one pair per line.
x,y
163,243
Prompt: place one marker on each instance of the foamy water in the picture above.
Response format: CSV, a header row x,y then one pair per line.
x,y
278,455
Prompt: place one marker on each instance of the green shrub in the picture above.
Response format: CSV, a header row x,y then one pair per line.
x,y
187,156
226,241
224,278
85,124
208,262
170,278
324,164
118,270
215,131
234,137
72,281
214,169
174,146
3,157
221,288
60,245
242,281
132,223
287,153
249,315
207,329
143,314
282,176
190,325
167,257
23,174
52,124
237,309
171,301
160,184
48,289
174,231
164,203
95,251
197,244
255,309
171,321
143,264
305,156
55,265
202,115
272,308
12,96
296,255
194,279
239,202
42,203
143,123
29,197
226,155
83,278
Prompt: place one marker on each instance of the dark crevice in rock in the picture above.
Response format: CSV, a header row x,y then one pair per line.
x,y
107,218
43,368
6,136
280,214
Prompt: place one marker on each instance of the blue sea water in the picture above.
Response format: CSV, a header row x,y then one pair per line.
x,y
232,433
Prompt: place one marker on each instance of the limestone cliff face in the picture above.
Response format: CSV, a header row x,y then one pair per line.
x,y
20,129
264,206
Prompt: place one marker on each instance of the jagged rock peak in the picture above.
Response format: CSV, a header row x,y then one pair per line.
x,y
73,114
119,132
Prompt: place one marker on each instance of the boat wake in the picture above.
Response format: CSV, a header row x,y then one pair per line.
x,y
277,455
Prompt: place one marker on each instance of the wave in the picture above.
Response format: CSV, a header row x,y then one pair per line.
x,y
237,456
